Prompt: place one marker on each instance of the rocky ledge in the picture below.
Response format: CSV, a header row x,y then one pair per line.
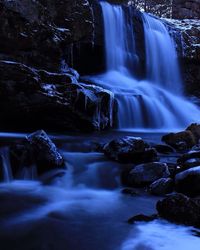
x,y
35,99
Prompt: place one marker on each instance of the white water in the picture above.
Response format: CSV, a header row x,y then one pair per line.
x,y
154,103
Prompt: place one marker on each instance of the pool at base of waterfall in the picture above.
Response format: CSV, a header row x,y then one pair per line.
x,y
85,208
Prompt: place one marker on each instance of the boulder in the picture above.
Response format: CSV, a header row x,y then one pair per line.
x,y
37,149
45,152
145,174
129,150
189,160
180,209
195,129
181,141
161,186
188,181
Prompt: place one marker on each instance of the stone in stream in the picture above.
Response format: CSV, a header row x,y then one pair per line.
x,y
145,174
195,129
142,218
130,150
164,149
37,149
180,209
181,141
190,159
162,186
188,182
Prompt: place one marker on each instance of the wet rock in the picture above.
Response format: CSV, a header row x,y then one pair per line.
x,y
163,149
37,149
143,218
45,152
161,186
31,99
180,209
129,191
188,181
195,129
181,141
187,37
145,174
189,160
129,150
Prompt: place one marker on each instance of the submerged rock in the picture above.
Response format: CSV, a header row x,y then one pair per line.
x,y
162,186
180,209
188,181
145,174
129,150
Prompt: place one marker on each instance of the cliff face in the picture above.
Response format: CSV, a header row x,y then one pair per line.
x,y
37,32
187,37
186,9
35,36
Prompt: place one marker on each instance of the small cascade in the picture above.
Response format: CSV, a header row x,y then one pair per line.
x,y
5,165
157,102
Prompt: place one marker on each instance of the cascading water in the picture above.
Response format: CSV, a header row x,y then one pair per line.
x,y
157,102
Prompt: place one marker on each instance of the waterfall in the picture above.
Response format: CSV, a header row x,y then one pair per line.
x,y
161,57
157,102
5,165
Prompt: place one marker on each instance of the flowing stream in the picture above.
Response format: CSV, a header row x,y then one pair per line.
x,y
84,209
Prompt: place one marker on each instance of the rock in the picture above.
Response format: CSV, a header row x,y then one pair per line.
x,y
45,152
164,149
129,150
161,186
181,141
34,99
186,33
129,191
142,217
145,174
195,129
188,182
180,209
186,9
189,160
37,149
34,32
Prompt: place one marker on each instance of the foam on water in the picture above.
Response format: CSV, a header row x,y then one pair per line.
x,y
160,235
